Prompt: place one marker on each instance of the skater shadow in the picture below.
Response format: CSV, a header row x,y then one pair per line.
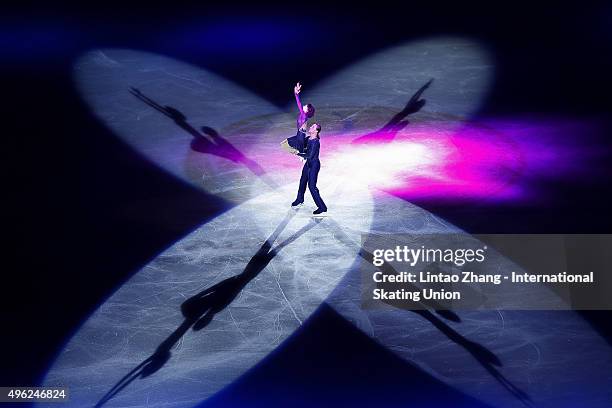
x,y
208,142
388,132
199,310
486,358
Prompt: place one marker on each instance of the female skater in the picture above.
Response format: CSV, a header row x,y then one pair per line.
x,y
296,144
310,171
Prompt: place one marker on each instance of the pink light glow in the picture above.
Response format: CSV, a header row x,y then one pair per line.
x,y
497,160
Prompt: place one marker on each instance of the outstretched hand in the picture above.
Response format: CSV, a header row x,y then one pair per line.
x,y
297,88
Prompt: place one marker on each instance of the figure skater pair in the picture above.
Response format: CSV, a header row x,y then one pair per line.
x,y
306,144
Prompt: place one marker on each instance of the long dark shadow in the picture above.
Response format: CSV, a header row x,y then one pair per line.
x,y
484,356
388,132
200,309
209,141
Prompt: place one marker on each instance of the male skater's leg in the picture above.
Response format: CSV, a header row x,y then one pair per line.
x,y
302,188
313,174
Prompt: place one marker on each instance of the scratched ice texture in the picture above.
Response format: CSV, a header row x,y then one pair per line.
x,y
273,266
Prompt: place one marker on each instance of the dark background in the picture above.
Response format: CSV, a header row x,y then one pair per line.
x,y
85,212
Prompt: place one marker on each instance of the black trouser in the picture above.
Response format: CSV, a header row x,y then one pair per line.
x,y
310,172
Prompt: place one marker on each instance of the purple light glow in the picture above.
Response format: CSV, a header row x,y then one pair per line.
x,y
495,160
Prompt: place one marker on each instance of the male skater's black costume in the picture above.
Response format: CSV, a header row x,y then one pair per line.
x,y
310,172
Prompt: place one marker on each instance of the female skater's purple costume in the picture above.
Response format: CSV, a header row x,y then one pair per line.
x,y
298,142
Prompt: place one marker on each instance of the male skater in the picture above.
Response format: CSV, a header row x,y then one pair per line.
x,y
310,171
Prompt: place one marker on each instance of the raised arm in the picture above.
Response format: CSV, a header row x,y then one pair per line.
x,y
296,92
